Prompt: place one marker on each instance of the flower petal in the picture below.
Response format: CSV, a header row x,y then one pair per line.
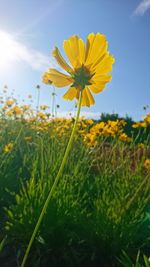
x,y
103,65
57,78
95,48
98,78
71,93
81,51
61,61
75,51
98,83
91,98
46,78
97,88
87,98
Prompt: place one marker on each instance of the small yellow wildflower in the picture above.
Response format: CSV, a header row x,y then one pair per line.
x,y
91,65
147,164
89,122
9,113
41,115
7,148
147,118
125,138
25,107
9,102
139,124
43,107
17,110
141,145
90,140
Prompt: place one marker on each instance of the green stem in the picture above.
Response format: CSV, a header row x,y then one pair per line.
x,y
54,184
38,100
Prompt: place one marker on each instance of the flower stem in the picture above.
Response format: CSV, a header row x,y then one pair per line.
x,y
54,184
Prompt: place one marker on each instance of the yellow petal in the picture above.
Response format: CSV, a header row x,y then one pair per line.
x,y
98,83
87,98
95,48
70,94
91,99
58,79
104,65
97,88
46,78
75,51
81,51
60,60
97,78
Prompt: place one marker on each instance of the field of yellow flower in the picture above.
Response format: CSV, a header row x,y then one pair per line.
x,y
101,205
93,175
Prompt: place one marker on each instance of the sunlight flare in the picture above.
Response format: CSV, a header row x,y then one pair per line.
x,y
8,49
12,51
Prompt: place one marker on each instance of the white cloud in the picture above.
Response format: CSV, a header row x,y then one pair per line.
x,y
87,114
12,50
142,8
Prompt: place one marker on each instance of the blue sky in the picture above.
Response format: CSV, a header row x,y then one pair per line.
x,y
36,26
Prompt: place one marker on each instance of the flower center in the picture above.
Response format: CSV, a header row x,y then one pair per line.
x,y
81,78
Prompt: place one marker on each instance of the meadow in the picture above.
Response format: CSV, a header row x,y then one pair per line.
x,y
99,214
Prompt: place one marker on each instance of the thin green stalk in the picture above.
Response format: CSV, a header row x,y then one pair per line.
x,y
53,103
129,203
38,99
54,184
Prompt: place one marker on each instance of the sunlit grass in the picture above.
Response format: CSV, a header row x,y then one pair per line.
x,y
101,205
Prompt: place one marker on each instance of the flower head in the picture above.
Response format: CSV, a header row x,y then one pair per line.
x,y
90,68
7,148
147,164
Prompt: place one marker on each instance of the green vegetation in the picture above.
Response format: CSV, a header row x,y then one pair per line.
x,y
101,205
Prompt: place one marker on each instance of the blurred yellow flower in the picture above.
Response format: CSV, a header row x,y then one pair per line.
x,y
9,102
41,115
9,113
17,110
147,118
25,107
89,70
139,124
7,148
141,145
147,164
125,138
43,107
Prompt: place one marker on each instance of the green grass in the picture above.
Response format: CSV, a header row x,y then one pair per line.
x,y
100,207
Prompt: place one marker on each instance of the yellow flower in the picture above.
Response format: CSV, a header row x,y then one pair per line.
x,y
141,145
41,115
139,124
147,164
17,110
9,113
89,70
90,140
147,118
25,107
43,107
7,148
124,137
9,102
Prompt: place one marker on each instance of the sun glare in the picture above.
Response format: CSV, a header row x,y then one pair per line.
x,y
8,50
